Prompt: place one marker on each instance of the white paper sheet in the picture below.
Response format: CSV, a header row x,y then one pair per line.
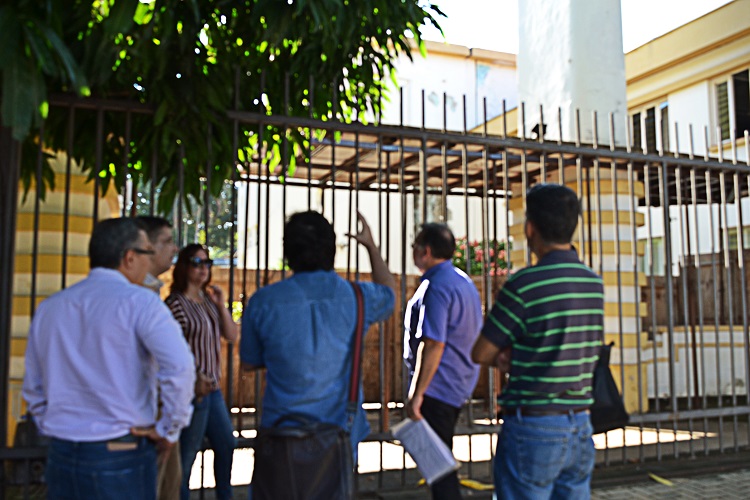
x,y
433,458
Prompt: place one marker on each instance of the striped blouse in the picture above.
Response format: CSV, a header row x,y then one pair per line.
x,y
200,325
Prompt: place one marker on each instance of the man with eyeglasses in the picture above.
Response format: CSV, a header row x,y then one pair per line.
x,y
95,352
442,321
159,232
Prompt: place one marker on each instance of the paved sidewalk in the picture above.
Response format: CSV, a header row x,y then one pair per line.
x,y
728,485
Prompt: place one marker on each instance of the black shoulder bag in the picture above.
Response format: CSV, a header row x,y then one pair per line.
x,y
312,460
608,411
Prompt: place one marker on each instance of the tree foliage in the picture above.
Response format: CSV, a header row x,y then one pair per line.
x,y
184,60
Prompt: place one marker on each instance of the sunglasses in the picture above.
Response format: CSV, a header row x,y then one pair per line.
x,y
198,262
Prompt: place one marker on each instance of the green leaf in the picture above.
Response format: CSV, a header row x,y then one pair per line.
x,y
144,13
72,69
121,17
23,91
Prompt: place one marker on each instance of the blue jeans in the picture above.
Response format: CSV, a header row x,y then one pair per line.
x,y
123,468
211,420
543,457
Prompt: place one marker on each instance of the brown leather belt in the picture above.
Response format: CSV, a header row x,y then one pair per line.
x,y
534,412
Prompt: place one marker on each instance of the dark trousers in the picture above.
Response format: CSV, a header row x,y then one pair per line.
x,y
442,418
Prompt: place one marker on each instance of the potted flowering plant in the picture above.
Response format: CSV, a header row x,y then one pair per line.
x,y
496,260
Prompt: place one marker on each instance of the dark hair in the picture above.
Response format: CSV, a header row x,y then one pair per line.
x,y
309,242
180,271
110,239
554,211
152,225
439,238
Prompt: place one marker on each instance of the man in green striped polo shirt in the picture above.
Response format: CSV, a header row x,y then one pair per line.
x,y
545,329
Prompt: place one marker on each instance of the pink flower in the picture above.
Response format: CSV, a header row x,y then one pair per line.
x,y
492,252
501,255
462,246
502,272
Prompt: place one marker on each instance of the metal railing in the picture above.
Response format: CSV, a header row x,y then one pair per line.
x,y
685,380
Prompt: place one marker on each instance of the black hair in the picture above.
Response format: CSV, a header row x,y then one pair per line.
x,y
554,211
182,266
309,242
110,239
439,238
152,225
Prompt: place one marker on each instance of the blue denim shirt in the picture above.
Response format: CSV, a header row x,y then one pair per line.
x,y
301,330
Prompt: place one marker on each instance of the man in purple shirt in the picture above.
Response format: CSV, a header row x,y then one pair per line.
x,y
95,353
443,320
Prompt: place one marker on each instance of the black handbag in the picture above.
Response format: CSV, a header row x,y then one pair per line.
x,y
311,460
608,411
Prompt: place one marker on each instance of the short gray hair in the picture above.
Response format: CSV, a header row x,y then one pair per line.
x,y
110,239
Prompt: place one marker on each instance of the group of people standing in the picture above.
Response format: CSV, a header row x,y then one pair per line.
x,y
119,380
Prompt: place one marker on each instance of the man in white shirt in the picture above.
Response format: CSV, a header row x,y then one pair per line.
x,y
95,353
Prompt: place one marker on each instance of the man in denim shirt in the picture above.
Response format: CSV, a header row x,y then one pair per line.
x,y
300,329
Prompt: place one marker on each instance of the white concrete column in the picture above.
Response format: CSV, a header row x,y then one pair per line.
x,y
571,57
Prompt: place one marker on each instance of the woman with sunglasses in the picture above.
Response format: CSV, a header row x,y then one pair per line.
x,y
204,317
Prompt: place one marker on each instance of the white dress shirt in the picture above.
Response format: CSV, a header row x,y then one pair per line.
x,y
95,353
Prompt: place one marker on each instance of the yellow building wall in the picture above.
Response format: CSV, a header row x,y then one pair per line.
x,y
49,258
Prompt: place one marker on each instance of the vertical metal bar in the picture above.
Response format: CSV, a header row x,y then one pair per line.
x,y
97,161
180,194
618,264
741,267
654,328
663,175
632,202
540,138
489,242
598,189
470,406
310,134
729,299
151,184
403,301
684,283
333,155
717,306
560,159
207,190
444,164
423,169
132,174
10,165
579,182
699,287
600,235
465,185
66,207
524,176
37,211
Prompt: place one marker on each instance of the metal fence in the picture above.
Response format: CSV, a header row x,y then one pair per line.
x,y
684,377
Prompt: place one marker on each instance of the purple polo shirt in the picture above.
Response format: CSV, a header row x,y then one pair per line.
x,y
446,308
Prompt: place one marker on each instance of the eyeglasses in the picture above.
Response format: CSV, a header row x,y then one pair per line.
x,y
142,251
198,262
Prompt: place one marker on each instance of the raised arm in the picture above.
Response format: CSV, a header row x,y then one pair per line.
x,y
380,272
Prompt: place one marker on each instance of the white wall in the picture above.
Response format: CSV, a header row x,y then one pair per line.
x,y
455,76
690,106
